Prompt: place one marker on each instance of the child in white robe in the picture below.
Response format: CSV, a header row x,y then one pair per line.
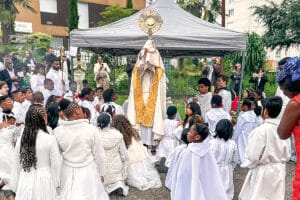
x,y
204,96
246,122
28,98
38,78
87,96
192,115
18,109
175,154
37,163
217,113
226,154
116,156
171,138
195,174
83,155
267,156
140,171
7,130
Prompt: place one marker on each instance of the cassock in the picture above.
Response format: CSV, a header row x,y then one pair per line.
x,y
147,98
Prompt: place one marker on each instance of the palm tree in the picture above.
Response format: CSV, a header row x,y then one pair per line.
x,y
8,12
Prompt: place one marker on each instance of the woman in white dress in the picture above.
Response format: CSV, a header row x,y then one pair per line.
x,y
115,156
226,154
141,173
83,157
36,171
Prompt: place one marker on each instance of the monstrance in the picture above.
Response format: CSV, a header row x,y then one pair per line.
x,y
150,21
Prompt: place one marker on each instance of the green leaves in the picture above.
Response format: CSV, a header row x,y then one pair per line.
x,y
282,22
73,15
114,13
255,53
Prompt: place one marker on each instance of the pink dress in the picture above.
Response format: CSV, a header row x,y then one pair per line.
x,y
296,184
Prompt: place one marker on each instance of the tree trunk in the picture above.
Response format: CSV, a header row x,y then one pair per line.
x,y
5,33
180,64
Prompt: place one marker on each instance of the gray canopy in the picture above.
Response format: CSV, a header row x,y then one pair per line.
x,y
181,34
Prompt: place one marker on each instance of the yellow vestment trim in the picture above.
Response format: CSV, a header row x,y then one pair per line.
x,y
145,113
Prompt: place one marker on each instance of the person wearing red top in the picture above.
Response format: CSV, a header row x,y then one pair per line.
x,y
289,82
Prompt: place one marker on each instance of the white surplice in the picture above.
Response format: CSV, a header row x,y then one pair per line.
x,y
116,157
26,104
204,101
37,82
226,99
266,155
42,182
246,122
195,175
47,93
171,138
83,160
214,116
141,172
57,76
226,154
94,114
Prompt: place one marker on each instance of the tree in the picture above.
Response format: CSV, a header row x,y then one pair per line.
x,y
204,9
73,15
129,4
8,14
282,23
114,13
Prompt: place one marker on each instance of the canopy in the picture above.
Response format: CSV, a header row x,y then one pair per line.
x,y
181,34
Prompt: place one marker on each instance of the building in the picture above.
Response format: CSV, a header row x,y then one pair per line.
x,y
51,17
240,18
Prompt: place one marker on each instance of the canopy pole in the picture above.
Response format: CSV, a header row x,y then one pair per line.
x,y
241,82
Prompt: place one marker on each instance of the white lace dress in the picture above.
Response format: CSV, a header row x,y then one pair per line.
x,y
40,183
141,173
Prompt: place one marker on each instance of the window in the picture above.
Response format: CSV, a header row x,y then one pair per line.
x,y
231,12
83,12
48,6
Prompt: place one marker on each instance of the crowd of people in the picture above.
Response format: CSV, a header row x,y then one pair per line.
x,y
60,139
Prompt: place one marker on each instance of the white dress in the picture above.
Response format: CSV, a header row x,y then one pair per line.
x,y
171,138
266,155
213,117
226,154
6,153
226,99
141,173
204,101
94,114
246,122
57,76
195,175
115,160
83,161
40,183
20,112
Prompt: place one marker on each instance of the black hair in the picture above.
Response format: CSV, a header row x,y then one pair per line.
x,y
259,93
224,129
47,80
107,95
223,77
216,100
171,111
54,59
69,111
103,120
24,90
109,109
51,99
87,112
195,108
3,98
85,91
99,88
257,110
8,114
37,67
273,105
63,104
289,85
247,103
205,81
202,130
34,122
184,134
52,109
261,69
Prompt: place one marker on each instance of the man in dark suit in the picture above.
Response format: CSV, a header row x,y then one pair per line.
x,y
9,76
259,80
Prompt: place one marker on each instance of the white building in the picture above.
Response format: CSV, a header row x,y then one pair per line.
x,y
240,18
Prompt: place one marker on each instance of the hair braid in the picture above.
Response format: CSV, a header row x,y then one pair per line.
x,y
34,122
69,111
